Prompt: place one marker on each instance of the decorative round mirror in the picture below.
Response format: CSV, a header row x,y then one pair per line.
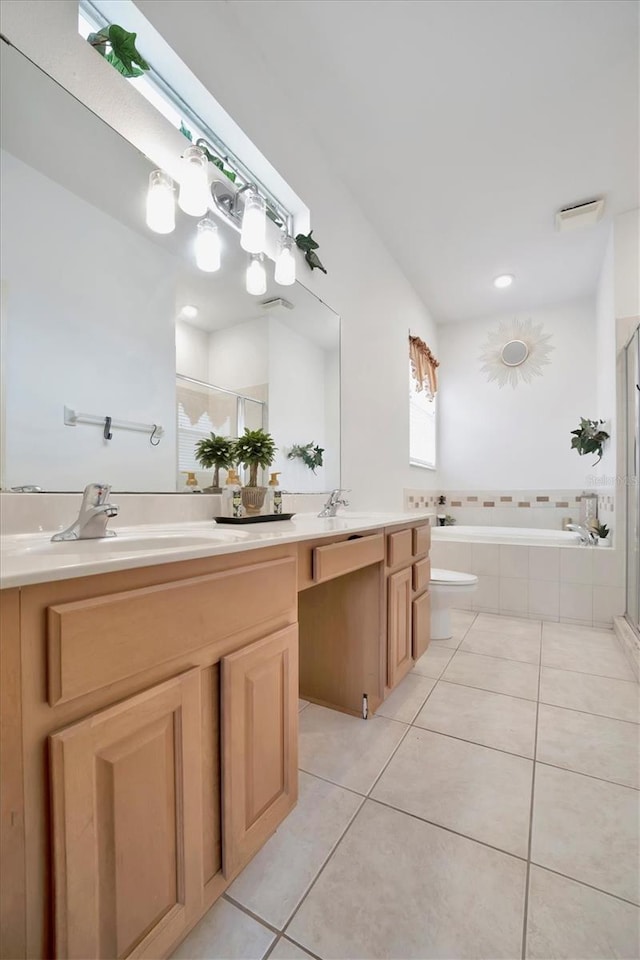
x,y
514,353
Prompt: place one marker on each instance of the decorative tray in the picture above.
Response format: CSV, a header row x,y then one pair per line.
x,y
267,518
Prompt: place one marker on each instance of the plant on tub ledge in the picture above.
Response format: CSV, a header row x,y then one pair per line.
x,y
254,449
589,438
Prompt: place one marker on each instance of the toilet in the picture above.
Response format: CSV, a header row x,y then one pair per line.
x,y
444,586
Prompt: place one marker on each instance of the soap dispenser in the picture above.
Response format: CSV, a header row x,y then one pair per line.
x,y
274,495
232,496
191,484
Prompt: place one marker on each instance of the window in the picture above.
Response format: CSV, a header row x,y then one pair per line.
x,y
422,425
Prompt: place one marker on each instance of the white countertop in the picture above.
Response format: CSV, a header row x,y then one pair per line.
x,y
33,558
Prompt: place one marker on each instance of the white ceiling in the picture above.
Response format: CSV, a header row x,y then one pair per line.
x,y
493,113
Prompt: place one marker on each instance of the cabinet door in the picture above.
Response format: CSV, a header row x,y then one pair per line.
x,y
259,743
127,824
399,650
421,624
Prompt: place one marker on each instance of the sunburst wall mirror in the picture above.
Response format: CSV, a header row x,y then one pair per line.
x,y
517,350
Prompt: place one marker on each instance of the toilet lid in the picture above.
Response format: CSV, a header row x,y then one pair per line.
x,y
452,576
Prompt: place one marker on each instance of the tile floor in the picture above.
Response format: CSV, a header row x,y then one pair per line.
x,y
490,809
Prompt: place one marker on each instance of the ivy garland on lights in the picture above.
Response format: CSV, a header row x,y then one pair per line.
x,y
118,47
306,243
309,453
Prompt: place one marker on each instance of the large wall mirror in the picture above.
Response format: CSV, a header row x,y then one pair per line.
x,y
107,319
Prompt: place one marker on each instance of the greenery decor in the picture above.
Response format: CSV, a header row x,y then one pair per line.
x,y
255,448
215,451
118,47
309,453
602,530
449,521
589,438
306,243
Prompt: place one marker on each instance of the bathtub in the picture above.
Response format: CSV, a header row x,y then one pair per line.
x,y
533,572
529,536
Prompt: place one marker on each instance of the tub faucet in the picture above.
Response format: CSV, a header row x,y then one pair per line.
x,y
588,538
95,512
335,500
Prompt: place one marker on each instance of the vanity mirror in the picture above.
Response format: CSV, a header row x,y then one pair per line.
x,y
118,353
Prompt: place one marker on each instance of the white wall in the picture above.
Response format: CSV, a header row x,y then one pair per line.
x,y
239,356
88,334
626,230
503,439
364,285
606,359
192,352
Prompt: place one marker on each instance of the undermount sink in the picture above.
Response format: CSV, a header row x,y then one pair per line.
x,y
122,544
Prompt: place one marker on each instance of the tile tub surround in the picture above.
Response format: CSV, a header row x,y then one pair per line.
x,y
572,584
385,864
545,509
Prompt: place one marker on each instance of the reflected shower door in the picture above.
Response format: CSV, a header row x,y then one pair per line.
x,y
632,405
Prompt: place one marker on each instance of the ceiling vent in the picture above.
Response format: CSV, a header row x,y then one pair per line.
x,y
276,302
579,215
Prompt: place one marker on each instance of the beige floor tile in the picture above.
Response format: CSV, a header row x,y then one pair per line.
x,y
461,620
494,644
405,701
586,652
492,719
349,751
596,746
400,888
567,920
491,673
587,829
433,662
275,881
619,699
510,626
302,704
226,933
481,793
286,950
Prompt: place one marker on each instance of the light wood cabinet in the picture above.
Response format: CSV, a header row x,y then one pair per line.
x,y
399,643
421,625
127,824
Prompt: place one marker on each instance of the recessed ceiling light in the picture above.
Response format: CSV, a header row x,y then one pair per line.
x,y
189,312
504,280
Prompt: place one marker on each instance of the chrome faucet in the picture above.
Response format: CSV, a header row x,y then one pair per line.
x,y
588,538
95,512
335,500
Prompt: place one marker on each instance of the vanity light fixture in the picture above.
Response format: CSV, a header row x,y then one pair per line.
x,y
504,280
253,232
161,205
256,276
193,198
208,246
285,272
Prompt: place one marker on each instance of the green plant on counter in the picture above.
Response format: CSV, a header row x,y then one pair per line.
x,y
309,453
217,452
255,448
589,438
118,47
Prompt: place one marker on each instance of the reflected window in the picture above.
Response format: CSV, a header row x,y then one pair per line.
x,y
422,425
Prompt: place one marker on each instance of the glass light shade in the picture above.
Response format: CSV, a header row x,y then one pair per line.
x,y
161,206
208,246
193,198
256,277
254,223
285,273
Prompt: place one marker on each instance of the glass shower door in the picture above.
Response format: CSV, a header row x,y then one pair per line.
x,y
632,403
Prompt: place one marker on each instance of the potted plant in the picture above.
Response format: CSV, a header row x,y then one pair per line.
x,y
216,451
589,438
603,533
309,453
254,449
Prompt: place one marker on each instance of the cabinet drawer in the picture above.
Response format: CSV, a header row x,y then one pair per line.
x,y
421,624
95,642
399,548
421,575
421,539
338,558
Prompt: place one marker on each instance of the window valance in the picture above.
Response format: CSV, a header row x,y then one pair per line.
x,y
423,366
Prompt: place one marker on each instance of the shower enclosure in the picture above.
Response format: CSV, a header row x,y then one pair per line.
x,y
632,409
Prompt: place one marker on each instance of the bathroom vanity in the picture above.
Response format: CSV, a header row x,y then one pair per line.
x,y
150,715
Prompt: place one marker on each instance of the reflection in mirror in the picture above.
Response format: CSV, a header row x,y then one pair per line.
x,y
514,353
95,317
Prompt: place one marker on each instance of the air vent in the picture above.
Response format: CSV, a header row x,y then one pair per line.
x,y
579,215
276,302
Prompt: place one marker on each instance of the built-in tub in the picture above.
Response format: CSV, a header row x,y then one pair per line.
x,y
533,572
523,535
